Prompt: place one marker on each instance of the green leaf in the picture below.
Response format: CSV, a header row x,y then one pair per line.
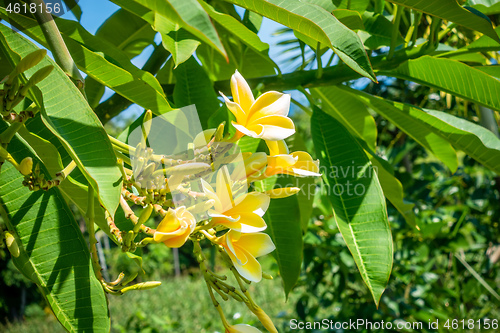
x,y
190,15
349,18
248,62
377,32
43,142
283,225
476,141
450,10
131,38
316,23
109,66
452,77
357,199
349,111
178,41
393,191
66,113
493,70
53,253
358,5
488,7
194,87
307,185
418,131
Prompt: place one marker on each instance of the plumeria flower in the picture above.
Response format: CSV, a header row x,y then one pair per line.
x,y
244,248
280,161
243,213
252,166
175,227
265,117
242,328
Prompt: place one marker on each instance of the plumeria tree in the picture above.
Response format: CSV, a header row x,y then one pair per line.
x,y
207,164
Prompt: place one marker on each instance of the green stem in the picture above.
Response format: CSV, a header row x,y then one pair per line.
x,y
395,30
332,75
319,72
56,44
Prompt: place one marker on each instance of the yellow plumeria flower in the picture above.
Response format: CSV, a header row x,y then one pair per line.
x,y
265,117
252,168
244,248
242,328
280,161
244,213
175,227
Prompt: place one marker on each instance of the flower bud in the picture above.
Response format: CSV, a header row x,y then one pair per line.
x,y
26,166
142,286
265,320
202,207
282,192
146,124
203,138
187,169
31,60
242,328
10,240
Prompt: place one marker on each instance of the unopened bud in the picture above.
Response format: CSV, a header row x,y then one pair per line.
x,y
26,166
31,60
203,138
265,320
40,75
11,242
142,286
219,134
282,192
187,169
202,207
267,276
146,124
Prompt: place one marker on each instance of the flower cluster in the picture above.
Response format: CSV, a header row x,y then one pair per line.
x,y
204,194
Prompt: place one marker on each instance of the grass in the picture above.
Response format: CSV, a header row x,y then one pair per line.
x,y
178,305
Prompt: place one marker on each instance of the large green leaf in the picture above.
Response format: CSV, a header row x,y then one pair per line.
x,y
113,70
177,40
247,61
393,191
53,253
452,77
194,87
283,225
477,141
66,113
415,129
357,199
349,111
307,185
43,142
315,22
132,38
488,7
450,10
377,31
190,15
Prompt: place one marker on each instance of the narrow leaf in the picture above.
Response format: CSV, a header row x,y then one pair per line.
x,y
452,77
283,225
53,253
357,199
450,10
